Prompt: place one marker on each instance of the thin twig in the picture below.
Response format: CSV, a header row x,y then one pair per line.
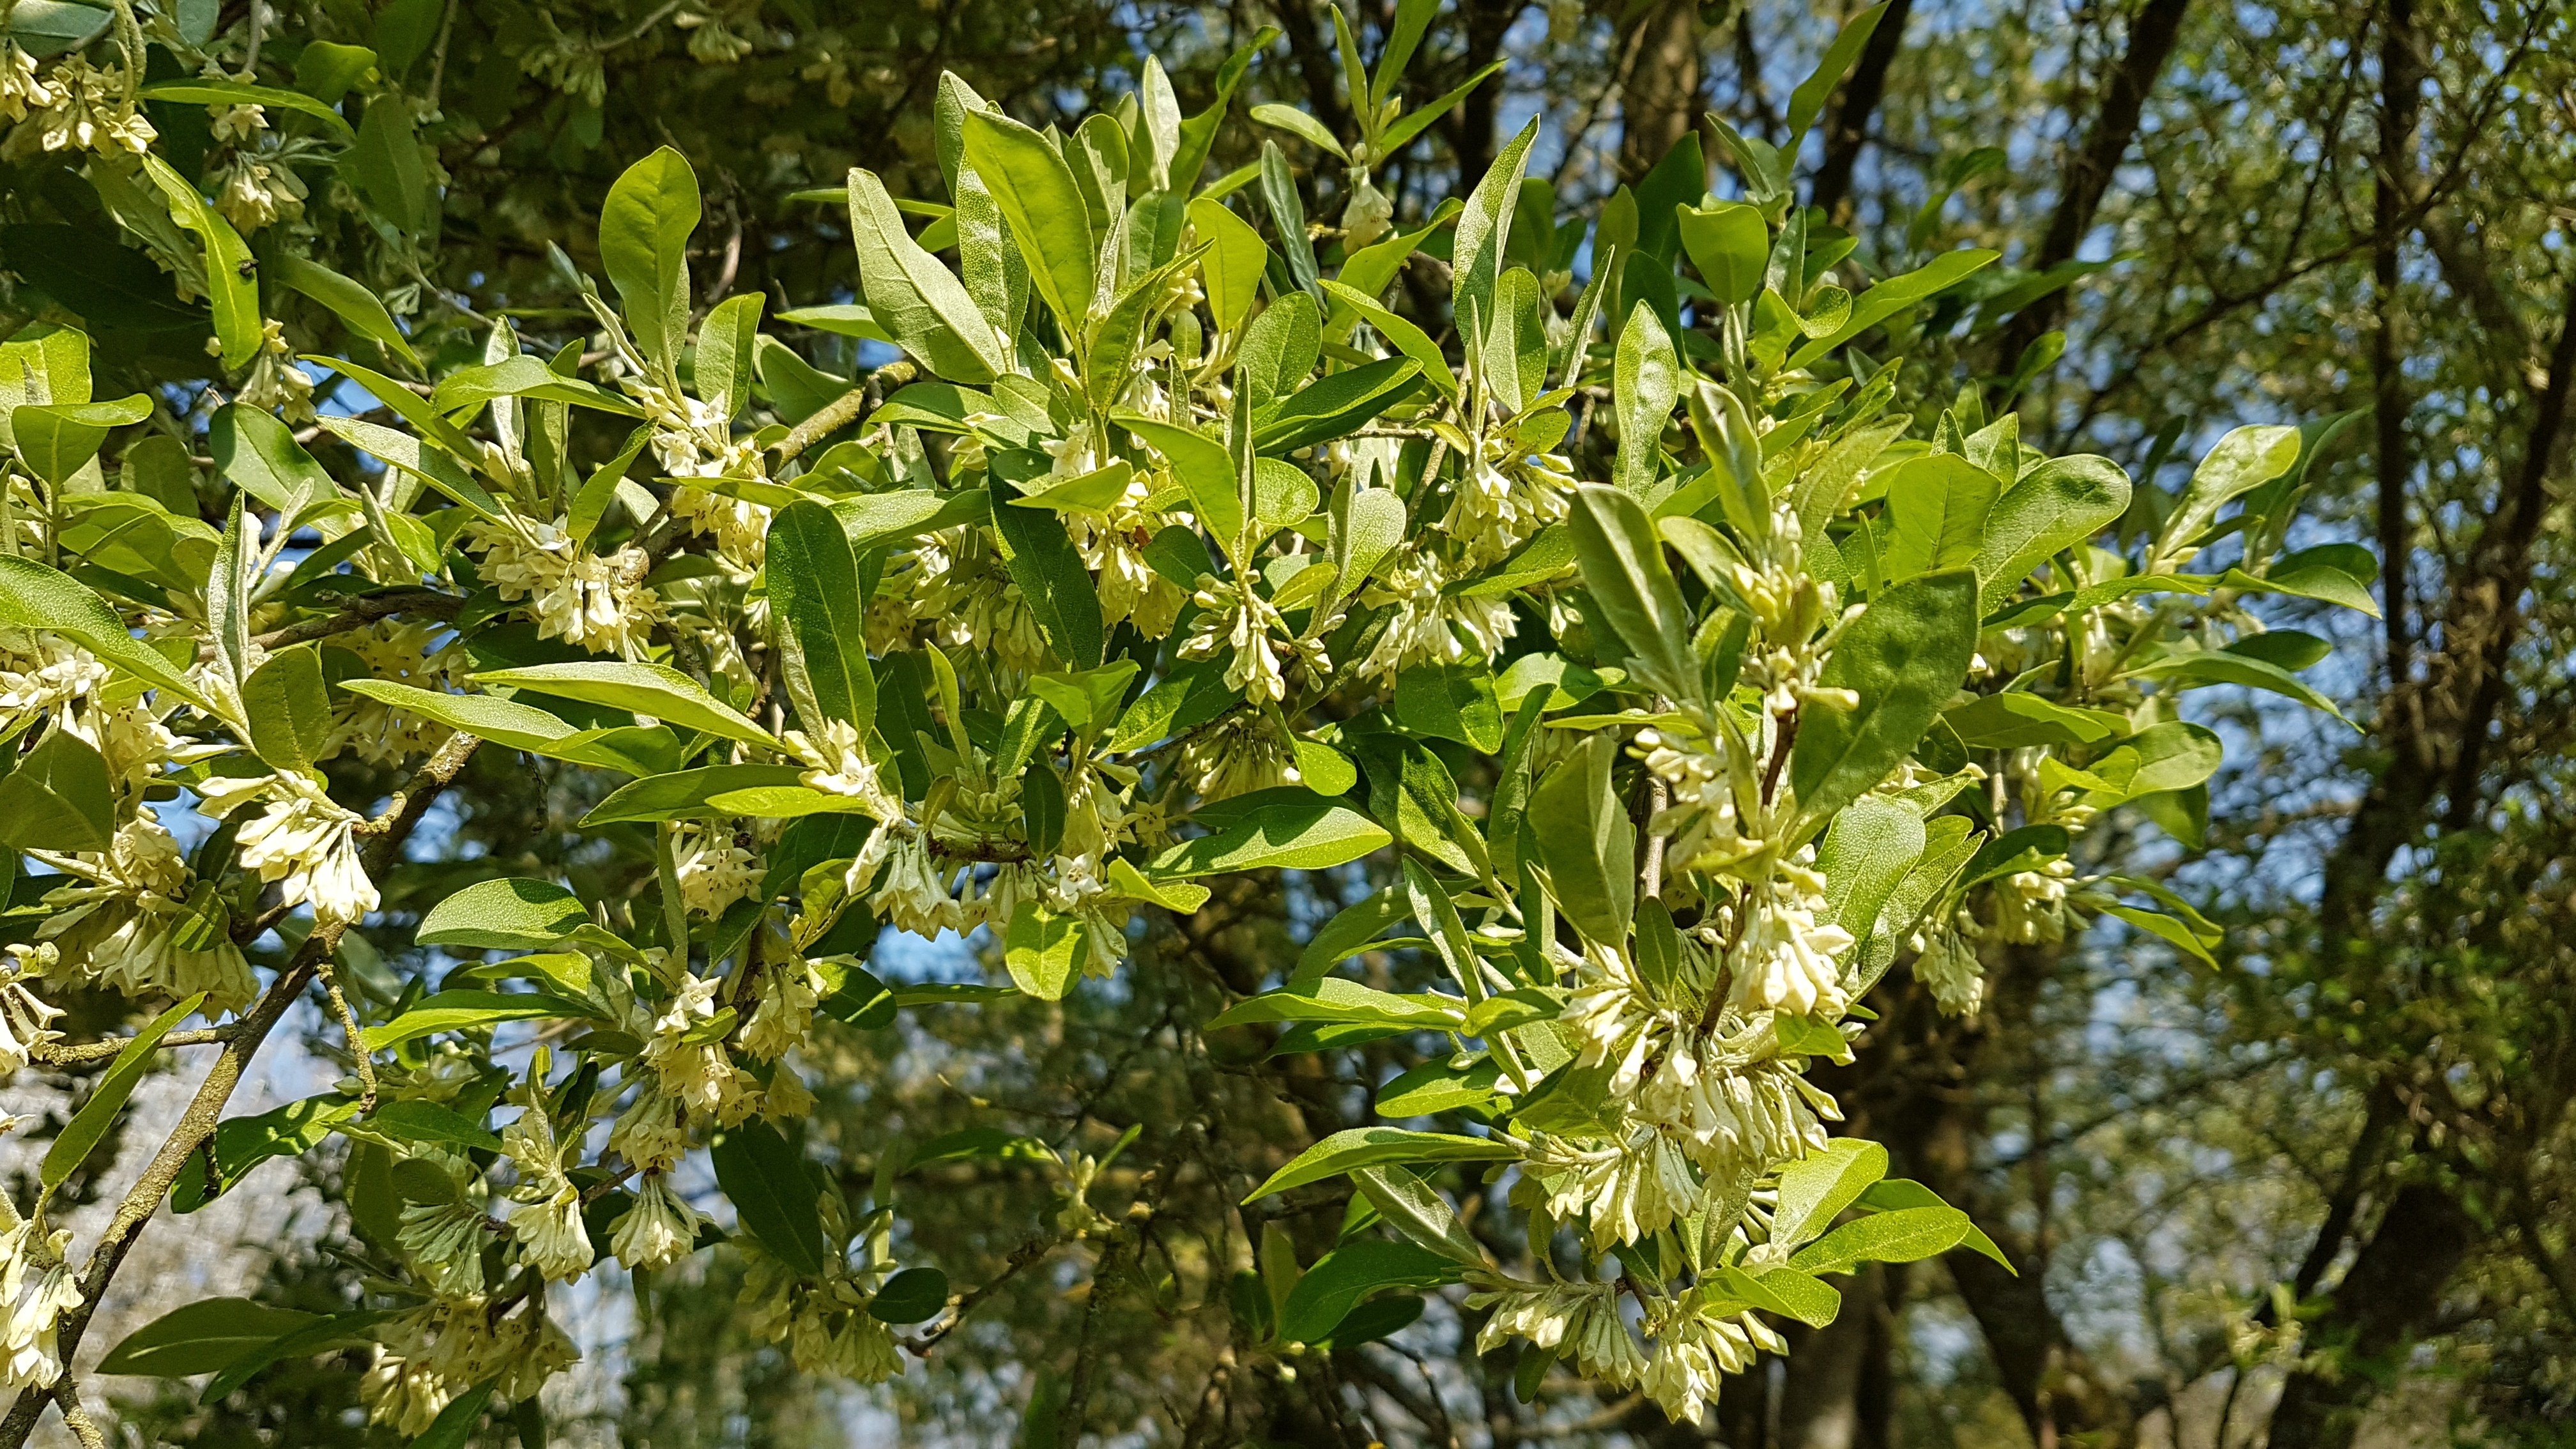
x,y
99,1051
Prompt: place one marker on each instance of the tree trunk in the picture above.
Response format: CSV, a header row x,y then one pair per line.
x,y
1659,93
2394,1288
2089,171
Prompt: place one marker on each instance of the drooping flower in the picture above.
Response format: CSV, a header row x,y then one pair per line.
x,y
713,869
431,1354
305,840
660,1229
598,602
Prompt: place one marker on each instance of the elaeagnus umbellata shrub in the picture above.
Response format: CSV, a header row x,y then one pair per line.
x,y
1641,655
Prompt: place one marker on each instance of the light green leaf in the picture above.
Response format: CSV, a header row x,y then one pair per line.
x,y
1484,229
657,690
1298,123
58,797
201,1338
361,310
1904,657
1586,843
1645,383
289,707
1623,565
1203,468
1417,1210
1894,295
467,1011
1339,1000
89,1125
1234,262
1373,1146
512,913
386,164
2200,670
230,271
421,1120
1048,217
2237,464
1937,507
1807,102
1816,1188
1906,1235
2015,720
33,596
1409,339
1730,245
644,231
1043,951
2054,507
524,376
914,298
1286,835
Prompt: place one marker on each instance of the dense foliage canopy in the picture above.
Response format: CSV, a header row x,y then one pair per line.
x,y
1160,760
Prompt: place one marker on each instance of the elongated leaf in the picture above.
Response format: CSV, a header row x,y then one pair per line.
x,y
645,689
362,311
1623,565
1287,836
644,231
467,1011
1048,217
1334,999
58,797
512,913
1048,568
528,377
1233,264
1816,1188
1904,657
1373,1146
202,1338
2016,720
1586,843
821,617
763,1175
290,709
1341,1278
2199,670
1417,1210
1203,468
89,1125
230,270
913,297
1646,381
339,1331
1906,1235
1484,231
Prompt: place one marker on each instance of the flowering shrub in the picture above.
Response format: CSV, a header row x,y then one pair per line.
x,y
1167,550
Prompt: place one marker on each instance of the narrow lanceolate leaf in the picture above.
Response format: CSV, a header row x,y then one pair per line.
x,y
231,274
644,235
1328,1291
655,690
1586,843
1623,565
467,1011
1035,189
1645,383
914,297
1484,228
1288,836
1903,658
202,1338
1374,1146
89,1125
820,617
33,596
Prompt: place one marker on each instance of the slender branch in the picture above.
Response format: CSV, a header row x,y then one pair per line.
x,y
56,1055
357,614
206,1109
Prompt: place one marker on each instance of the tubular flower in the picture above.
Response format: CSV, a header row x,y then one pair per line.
x,y
304,840
431,1354
599,603
658,1230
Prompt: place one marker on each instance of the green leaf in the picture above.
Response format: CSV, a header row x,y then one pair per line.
x,y
455,1425
1450,702
1807,102
644,689
1338,1000
841,319
1374,1146
2015,720
202,1338
1043,951
57,440
1484,229
875,520
1204,469
419,1120
1899,1192
820,617
511,913
468,1011
2200,670
1328,1291
361,310
2174,755
289,707
1730,245
416,458
644,231
915,1295
517,726
1816,1188
386,165
230,271
1937,507
1336,405
2166,928
913,297
1298,123
235,93
1586,843
1894,295
2237,464
89,1125
1866,852
58,797
1645,383
1234,262
763,1176
339,1331
1433,1087
524,376
1288,835
1623,566
33,596
716,791
1907,1235
2054,507
1409,339
1904,657
1042,560
1048,217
